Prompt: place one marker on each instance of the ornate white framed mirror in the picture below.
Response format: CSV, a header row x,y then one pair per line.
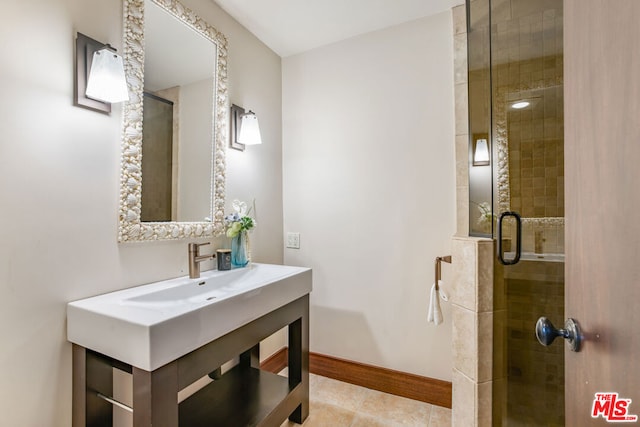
x,y
175,125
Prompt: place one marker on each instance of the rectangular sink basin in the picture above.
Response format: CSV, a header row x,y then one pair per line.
x,y
151,325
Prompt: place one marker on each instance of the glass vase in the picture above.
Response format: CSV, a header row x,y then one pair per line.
x,y
239,252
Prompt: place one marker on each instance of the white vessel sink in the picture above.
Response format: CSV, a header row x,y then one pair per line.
x,y
151,325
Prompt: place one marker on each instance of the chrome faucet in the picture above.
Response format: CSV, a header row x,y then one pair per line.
x,y
195,259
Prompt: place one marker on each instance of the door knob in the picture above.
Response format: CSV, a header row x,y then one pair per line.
x,y
546,333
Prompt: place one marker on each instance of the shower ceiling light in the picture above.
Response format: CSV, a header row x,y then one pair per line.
x,y
519,105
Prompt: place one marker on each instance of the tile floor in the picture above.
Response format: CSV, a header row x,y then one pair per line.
x,y
338,404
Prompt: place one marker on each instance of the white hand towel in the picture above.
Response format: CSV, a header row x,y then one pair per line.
x,y
435,312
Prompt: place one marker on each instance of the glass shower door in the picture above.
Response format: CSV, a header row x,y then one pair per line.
x,y
516,110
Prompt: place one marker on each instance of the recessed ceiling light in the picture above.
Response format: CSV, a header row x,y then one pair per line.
x,y
520,105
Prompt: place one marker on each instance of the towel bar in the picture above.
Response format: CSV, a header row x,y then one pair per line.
x,y
439,260
115,402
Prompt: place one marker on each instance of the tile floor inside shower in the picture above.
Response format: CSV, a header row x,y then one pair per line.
x,y
339,404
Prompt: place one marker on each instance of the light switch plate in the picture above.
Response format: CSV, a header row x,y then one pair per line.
x,y
293,240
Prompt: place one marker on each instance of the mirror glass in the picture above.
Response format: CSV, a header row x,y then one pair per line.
x,y
175,124
177,127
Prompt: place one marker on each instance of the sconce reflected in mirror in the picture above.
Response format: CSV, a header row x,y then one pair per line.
x,y
244,128
100,79
481,150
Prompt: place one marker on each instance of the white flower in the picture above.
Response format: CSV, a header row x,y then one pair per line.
x,y
239,207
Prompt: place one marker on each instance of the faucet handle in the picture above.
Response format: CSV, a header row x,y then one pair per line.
x,y
194,247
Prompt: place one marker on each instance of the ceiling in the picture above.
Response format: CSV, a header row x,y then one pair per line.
x,y
289,27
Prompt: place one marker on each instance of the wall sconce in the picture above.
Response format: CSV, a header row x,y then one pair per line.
x,y
100,79
244,128
481,150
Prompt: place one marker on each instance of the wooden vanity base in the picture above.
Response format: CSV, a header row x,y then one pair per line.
x,y
242,396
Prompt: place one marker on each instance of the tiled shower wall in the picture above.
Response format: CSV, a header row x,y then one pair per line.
x,y
536,174
529,65
472,294
475,371
461,88
536,373
535,134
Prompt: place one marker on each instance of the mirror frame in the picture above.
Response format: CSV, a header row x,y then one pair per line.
x,y
131,228
501,141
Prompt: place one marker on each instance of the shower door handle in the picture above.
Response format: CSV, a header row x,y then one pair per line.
x,y
516,258
546,333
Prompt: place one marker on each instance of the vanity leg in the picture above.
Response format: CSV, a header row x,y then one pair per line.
x,y
155,396
216,375
299,360
79,387
92,374
251,357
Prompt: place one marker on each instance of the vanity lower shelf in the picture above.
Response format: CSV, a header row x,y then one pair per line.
x,y
244,396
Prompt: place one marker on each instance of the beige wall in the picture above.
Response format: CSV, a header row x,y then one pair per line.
x,y
369,182
59,177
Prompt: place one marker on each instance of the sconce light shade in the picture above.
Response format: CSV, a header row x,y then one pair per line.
x,y
249,130
106,80
99,78
244,128
481,152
